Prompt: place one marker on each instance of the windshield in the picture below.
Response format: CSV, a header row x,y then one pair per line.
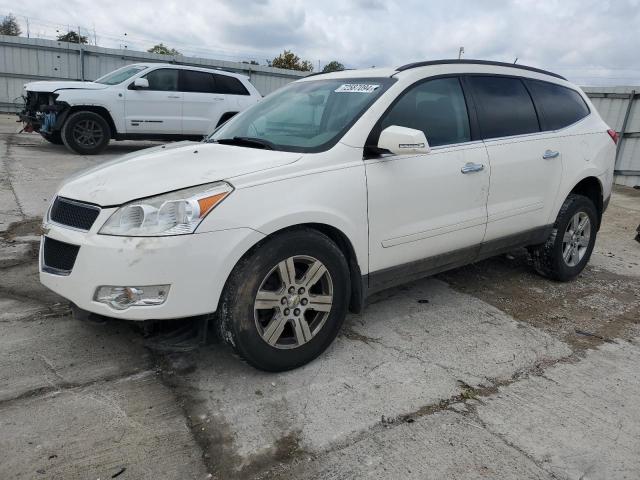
x,y
308,116
120,75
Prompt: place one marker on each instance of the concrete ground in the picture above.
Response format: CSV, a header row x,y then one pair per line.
x,y
487,371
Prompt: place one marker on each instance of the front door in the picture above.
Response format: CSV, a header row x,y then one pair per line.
x,y
427,212
157,109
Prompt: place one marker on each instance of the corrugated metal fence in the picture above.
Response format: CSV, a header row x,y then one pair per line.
x,y
24,60
620,108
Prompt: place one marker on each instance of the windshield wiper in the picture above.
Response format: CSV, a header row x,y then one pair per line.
x,y
251,142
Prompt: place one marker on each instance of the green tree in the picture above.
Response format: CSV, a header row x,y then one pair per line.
x,y
333,66
163,50
9,26
72,37
290,61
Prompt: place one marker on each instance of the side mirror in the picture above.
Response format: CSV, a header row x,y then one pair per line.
x,y
140,83
402,140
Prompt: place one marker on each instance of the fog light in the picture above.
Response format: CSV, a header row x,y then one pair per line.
x,y
121,298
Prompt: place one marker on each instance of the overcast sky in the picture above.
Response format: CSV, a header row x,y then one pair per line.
x,y
590,41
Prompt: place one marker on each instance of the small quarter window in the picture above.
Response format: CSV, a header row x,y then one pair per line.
x,y
560,106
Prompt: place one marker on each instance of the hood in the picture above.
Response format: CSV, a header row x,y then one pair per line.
x,y
166,168
54,85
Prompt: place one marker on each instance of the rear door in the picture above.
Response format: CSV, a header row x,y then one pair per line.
x,y
203,105
526,165
157,109
426,211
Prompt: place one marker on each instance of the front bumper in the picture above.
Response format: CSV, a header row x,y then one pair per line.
x,y
195,266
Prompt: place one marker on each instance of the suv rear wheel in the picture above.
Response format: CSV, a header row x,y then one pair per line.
x,y
86,133
568,249
284,303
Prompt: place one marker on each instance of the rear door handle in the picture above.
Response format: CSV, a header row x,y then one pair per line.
x,y
173,96
550,154
472,167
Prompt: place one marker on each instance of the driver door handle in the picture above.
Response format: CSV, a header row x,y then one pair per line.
x,y
550,154
472,167
173,96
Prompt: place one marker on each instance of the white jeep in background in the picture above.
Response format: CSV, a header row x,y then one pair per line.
x,y
139,101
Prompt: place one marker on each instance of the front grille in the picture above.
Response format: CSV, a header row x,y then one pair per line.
x,y
59,257
73,214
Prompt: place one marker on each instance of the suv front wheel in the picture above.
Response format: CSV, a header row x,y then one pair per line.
x,y
86,133
285,302
568,249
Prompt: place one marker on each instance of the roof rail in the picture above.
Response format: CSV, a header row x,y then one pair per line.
x,y
409,66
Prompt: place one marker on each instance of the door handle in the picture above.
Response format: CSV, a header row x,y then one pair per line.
x,y
472,167
550,154
218,99
173,96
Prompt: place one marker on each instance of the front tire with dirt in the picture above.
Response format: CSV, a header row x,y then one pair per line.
x,y
86,133
285,301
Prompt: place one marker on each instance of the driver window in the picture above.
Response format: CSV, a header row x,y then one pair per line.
x,y
437,107
163,79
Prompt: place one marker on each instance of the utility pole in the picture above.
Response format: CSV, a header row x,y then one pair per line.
x,y
26,19
460,52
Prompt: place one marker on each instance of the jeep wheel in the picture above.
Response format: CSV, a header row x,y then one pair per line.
x,y
54,137
284,303
568,249
86,133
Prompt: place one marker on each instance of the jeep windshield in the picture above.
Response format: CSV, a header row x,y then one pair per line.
x,y
308,116
120,75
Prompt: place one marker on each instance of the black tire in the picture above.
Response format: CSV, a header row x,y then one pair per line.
x,y
96,127
237,324
54,137
548,257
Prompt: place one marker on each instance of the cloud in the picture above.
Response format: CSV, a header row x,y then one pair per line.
x,y
586,40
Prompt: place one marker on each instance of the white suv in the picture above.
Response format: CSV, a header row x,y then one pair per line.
x,y
140,101
334,187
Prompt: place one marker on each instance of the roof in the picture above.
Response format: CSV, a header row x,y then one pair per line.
x,y
389,72
188,67
476,62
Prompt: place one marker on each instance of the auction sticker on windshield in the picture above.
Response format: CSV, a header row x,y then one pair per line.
x,y
356,88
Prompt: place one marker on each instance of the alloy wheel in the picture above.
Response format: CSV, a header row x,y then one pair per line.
x,y
576,239
87,133
293,302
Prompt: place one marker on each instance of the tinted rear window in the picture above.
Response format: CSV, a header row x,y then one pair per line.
x,y
229,85
505,107
193,81
559,106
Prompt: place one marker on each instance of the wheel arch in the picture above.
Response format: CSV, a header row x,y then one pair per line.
x,y
358,284
592,188
102,111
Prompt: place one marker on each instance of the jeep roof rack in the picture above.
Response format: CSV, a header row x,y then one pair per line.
x,y
409,66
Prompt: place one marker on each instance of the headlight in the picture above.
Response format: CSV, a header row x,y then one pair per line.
x,y
175,213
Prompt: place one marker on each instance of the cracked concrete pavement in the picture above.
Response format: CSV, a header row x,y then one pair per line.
x,y
488,371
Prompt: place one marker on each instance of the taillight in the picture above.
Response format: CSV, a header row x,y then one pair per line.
x,y
614,135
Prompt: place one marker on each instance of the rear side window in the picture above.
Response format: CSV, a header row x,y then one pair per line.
x,y
163,79
229,85
505,107
193,81
559,106
437,107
